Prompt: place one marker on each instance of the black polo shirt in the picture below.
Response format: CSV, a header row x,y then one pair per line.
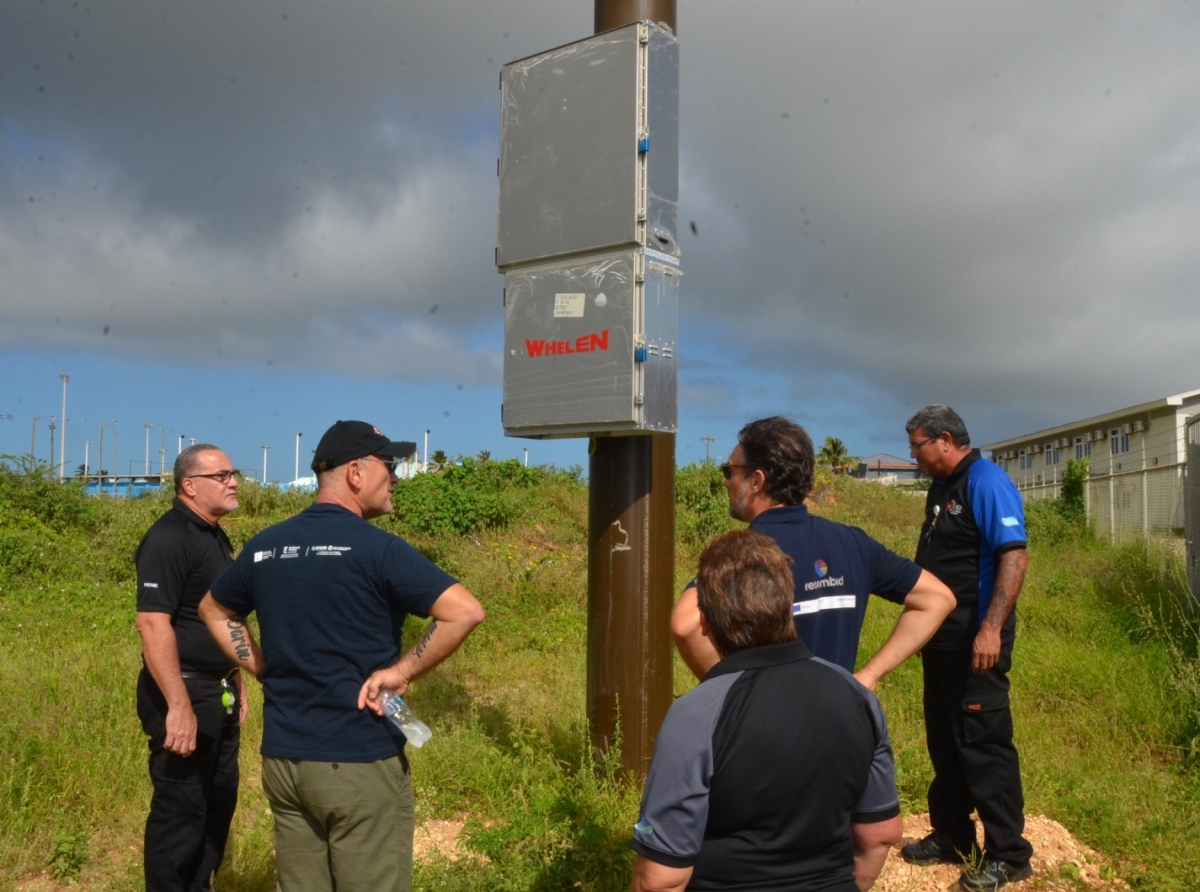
x,y
760,770
971,517
177,561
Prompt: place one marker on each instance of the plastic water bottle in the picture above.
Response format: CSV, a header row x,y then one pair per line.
x,y
401,714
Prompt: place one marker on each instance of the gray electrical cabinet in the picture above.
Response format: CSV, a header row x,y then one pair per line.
x,y
588,236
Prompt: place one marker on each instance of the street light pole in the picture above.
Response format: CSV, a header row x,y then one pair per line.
x,y
62,435
148,425
425,459
296,473
33,441
87,445
264,476
181,436
51,462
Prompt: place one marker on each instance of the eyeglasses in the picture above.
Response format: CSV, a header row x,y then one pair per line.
x,y
222,477
727,469
914,447
387,462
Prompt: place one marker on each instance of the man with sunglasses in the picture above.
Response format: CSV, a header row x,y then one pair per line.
x,y
331,593
835,567
189,694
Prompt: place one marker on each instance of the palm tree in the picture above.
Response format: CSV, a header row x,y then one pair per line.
x,y
834,454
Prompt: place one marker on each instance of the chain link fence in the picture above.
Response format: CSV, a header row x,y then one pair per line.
x,y
1123,505
1192,501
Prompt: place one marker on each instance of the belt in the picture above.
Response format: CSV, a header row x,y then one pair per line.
x,y
208,676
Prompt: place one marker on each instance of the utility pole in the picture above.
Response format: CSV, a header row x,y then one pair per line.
x,y
87,445
51,462
181,436
33,442
296,473
707,442
62,434
264,476
425,457
631,550
148,425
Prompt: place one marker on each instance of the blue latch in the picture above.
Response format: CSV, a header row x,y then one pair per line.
x,y
639,355
643,145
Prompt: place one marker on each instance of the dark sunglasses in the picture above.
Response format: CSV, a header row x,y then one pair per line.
x,y
727,469
385,460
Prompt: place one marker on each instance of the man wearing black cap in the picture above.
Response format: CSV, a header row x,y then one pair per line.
x,y
331,593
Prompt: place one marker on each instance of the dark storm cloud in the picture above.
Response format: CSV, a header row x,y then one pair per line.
x,y
888,204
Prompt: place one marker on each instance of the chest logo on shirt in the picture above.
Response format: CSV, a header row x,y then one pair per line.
x,y
263,555
953,507
821,567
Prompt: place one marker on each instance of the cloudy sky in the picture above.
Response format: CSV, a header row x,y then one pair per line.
x,y
242,220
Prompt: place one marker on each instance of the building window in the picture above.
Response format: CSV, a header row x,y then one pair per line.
x,y
1026,462
1082,449
1052,456
1118,442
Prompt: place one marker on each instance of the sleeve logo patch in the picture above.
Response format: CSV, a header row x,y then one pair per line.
x,y
1010,521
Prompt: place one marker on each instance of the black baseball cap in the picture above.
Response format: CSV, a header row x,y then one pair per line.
x,y
348,440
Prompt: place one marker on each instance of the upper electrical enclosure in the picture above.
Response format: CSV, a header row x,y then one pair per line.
x,y
589,148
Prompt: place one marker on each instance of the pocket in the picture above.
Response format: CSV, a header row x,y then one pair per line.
x,y
987,718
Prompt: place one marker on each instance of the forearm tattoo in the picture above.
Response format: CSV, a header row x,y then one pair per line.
x,y
423,643
239,640
1010,574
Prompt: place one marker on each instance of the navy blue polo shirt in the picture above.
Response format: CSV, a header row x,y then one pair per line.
x,y
835,568
760,770
331,593
971,517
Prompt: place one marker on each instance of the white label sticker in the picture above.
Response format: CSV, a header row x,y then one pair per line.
x,y
568,305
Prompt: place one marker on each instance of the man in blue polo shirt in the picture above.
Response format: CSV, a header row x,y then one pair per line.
x,y
974,539
775,772
836,567
331,592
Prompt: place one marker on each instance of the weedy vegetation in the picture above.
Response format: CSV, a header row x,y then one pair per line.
x,y
1106,684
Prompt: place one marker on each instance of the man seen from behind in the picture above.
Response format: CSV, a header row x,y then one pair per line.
x,y
775,772
331,593
836,567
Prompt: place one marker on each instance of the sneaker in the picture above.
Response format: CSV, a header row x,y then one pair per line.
x,y
938,848
991,875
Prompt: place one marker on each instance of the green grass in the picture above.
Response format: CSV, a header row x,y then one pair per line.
x,y
1106,686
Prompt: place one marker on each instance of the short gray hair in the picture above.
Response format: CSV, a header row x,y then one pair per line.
x,y
937,420
188,460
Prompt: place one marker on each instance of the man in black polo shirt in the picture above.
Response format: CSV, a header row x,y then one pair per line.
x,y
775,772
190,695
974,539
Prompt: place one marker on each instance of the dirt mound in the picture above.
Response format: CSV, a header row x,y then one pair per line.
x,y
1058,859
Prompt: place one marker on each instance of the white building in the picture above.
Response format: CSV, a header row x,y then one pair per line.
x,y
1137,457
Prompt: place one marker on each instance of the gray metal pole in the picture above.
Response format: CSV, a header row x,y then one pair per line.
x,y
631,551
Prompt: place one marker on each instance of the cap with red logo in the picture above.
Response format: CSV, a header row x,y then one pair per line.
x,y
348,440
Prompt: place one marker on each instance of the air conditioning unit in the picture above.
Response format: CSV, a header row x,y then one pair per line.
x,y
1087,438
1035,449
1064,442
1010,454
1126,429
1139,426
1097,435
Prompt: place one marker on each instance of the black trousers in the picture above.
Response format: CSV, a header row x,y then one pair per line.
x,y
969,732
194,798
